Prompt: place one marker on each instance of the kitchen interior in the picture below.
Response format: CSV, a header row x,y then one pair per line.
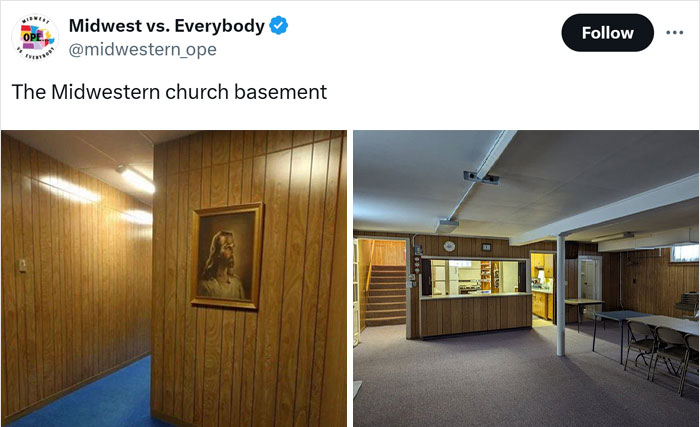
x,y
542,287
466,277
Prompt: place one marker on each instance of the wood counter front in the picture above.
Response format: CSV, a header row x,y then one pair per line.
x,y
444,316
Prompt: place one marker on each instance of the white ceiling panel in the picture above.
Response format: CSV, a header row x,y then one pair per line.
x,y
405,181
565,173
98,153
158,136
65,146
678,215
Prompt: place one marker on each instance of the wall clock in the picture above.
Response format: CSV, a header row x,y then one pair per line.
x,y
449,246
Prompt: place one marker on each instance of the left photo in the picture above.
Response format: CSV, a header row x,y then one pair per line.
x,y
174,277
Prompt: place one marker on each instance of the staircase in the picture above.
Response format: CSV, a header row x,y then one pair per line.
x,y
386,303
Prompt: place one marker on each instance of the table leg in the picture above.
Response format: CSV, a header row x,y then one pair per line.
x,y
595,324
622,336
578,327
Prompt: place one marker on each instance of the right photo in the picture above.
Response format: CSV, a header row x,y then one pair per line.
x,y
525,277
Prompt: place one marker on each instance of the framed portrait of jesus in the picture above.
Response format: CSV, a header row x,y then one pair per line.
x,y
226,256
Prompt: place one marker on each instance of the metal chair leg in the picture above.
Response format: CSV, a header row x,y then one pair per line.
x,y
643,358
653,371
684,370
651,362
671,369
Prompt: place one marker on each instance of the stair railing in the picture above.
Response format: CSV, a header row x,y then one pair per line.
x,y
369,271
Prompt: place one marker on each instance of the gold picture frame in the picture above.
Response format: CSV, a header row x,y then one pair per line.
x,y
220,237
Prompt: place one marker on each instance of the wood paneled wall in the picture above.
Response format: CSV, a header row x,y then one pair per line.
x,y
284,364
444,316
471,247
389,252
659,283
83,306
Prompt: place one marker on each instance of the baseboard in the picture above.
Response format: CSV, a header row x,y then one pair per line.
x,y
170,420
45,401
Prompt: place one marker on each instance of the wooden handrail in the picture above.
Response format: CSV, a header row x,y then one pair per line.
x,y
369,271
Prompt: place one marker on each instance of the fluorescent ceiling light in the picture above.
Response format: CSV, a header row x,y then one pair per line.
x,y
445,226
139,217
136,179
72,191
612,237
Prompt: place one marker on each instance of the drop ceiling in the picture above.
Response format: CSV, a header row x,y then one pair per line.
x,y
405,181
98,153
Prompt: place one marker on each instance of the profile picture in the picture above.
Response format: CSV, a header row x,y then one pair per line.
x,y
226,250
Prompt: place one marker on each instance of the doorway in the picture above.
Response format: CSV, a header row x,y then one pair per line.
x,y
543,288
380,274
590,282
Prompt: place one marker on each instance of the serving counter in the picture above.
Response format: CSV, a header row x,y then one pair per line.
x,y
456,314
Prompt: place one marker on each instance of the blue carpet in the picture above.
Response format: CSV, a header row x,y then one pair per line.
x,y
119,399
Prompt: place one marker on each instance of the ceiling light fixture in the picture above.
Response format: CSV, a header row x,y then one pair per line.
x,y
445,226
617,236
136,179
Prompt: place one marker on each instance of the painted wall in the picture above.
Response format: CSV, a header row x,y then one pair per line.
x,y
659,283
284,364
509,274
84,305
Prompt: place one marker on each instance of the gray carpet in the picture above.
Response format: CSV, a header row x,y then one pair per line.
x,y
511,378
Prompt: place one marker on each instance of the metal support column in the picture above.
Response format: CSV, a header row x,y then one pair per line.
x,y
561,293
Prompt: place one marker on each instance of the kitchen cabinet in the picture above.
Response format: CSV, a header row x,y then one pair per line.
x,y
543,304
539,304
549,266
536,264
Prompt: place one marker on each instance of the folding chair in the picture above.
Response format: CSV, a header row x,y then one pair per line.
x,y
691,360
642,340
670,346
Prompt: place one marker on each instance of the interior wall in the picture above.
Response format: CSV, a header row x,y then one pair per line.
x,y
285,363
83,306
509,274
389,252
364,253
652,284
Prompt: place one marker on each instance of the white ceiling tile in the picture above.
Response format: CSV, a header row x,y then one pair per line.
x,y
545,175
98,153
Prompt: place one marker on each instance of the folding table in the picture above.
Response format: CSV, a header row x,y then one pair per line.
x,y
580,303
683,326
620,317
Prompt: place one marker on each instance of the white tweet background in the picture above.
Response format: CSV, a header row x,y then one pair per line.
x,y
387,65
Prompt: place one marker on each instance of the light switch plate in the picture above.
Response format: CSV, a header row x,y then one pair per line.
x,y
22,265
